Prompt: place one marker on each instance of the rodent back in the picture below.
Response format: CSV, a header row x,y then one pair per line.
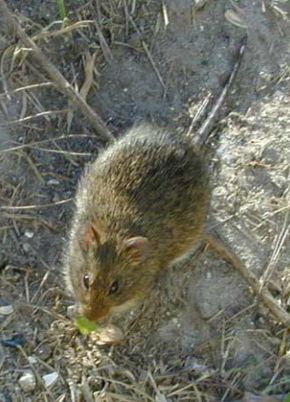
x,y
147,179
149,188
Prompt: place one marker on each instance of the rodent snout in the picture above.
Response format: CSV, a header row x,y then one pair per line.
x,y
94,313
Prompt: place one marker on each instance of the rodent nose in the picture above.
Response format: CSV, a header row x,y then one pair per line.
x,y
96,313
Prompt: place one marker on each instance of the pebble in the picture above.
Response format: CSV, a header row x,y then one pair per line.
x,y
6,310
44,351
71,311
50,379
27,381
28,234
32,359
53,182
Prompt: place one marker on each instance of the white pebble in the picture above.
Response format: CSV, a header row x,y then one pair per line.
x,y
71,311
28,234
32,359
53,182
50,379
27,381
6,310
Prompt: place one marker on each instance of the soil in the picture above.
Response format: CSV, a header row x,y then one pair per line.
x,y
202,336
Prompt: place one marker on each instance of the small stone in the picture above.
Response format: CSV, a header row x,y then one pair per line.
x,y
44,351
6,310
53,182
71,311
32,359
50,379
27,381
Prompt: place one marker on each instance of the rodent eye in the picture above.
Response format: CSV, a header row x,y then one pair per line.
x,y
86,281
114,288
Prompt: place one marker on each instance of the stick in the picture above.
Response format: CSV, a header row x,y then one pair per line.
x,y
206,128
60,82
262,293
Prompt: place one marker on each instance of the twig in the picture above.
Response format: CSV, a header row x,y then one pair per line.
x,y
262,293
145,47
147,51
104,46
35,116
60,82
32,86
37,220
25,207
206,128
277,249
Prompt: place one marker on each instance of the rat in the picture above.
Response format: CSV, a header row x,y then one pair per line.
x,y
140,206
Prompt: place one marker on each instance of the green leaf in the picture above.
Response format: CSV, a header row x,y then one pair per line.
x,y
84,325
287,398
61,9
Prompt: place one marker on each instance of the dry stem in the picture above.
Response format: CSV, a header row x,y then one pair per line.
x,y
261,292
60,82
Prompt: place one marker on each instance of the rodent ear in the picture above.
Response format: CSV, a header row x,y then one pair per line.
x,y
136,247
90,236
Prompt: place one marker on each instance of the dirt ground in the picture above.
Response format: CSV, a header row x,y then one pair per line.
x,y
202,336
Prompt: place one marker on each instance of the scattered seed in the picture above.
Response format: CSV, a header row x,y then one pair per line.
x,y
111,335
235,19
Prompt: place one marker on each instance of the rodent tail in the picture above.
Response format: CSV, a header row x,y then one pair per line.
x,y
205,129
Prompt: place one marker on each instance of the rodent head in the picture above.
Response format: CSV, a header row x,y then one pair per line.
x,y
107,275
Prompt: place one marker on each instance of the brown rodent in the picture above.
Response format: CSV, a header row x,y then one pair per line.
x,y
140,205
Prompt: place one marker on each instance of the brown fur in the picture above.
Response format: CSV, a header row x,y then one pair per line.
x,y
139,206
